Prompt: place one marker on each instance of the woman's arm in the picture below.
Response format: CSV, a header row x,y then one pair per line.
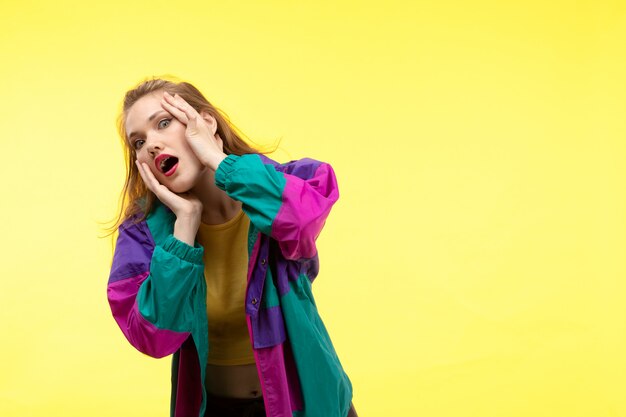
x,y
150,289
290,206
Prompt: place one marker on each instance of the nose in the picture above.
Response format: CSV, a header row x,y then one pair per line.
x,y
154,146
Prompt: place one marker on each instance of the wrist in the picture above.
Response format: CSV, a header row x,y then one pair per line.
x,y
186,228
213,161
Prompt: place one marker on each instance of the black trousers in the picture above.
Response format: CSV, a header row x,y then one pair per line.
x,y
234,407
242,407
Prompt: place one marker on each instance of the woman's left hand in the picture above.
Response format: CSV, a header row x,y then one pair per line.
x,y
200,133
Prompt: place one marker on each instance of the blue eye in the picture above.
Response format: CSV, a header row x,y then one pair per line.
x,y
138,143
164,123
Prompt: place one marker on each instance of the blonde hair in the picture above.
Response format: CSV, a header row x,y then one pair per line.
x,y
136,200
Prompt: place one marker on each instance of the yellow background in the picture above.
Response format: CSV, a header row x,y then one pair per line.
x,y
475,262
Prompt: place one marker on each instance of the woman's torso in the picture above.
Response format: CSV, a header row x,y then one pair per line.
x,y
235,381
231,371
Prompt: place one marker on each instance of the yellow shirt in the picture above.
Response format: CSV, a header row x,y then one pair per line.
x,y
225,272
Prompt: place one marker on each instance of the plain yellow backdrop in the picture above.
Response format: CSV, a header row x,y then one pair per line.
x,y
475,262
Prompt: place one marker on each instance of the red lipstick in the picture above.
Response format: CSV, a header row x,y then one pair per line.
x,y
166,164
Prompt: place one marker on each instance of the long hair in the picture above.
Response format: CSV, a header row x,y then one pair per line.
x,y
136,200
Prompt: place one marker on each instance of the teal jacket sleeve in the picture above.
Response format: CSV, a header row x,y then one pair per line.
x,y
152,289
176,275
288,202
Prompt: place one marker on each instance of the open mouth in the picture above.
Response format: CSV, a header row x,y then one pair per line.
x,y
166,164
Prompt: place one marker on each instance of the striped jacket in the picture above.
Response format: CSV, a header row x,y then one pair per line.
x,y
157,290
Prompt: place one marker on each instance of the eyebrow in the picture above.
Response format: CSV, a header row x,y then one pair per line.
x,y
149,119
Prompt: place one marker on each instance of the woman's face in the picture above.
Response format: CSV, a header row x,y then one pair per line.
x,y
158,139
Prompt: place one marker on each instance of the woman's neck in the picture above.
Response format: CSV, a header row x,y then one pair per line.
x,y
217,206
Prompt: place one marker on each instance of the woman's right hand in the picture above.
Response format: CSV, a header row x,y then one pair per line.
x,y
186,207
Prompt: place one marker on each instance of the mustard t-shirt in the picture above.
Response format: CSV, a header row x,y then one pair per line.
x,y
225,272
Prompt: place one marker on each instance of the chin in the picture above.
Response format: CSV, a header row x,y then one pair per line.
x,y
186,182
179,187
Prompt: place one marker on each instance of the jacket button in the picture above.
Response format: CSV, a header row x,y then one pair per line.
x,y
263,261
254,301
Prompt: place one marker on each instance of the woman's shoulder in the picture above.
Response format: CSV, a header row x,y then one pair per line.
x,y
157,224
304,167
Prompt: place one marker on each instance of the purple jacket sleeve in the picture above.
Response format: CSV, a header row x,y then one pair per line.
x,y
130,272
288,202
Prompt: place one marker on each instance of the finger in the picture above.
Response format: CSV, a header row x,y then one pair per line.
x,y
180,103
161,191
193,124
180,115
140,169
142,174
148,177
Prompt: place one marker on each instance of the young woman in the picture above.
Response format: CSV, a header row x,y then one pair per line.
x,y
214,263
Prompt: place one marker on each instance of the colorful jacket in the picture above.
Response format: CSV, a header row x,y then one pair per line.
x,y
157,290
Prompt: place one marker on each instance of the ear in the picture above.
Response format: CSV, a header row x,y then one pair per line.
x,y
210,121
